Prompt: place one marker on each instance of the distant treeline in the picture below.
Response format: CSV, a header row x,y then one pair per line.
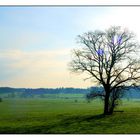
x,y
41,92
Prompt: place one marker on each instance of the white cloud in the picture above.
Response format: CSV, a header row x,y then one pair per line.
x,y
126,17
39,69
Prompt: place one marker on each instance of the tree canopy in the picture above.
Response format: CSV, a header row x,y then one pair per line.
x,y
111,58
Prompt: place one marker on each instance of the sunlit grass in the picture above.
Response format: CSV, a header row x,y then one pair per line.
x,y
67,116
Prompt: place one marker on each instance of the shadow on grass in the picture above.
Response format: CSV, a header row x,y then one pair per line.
x,y
100,116
78,119
74,124
69,122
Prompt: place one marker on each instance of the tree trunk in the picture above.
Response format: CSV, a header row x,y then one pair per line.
x,y
108,107
111,109
106,104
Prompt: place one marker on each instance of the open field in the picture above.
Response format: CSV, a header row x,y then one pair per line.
x,y
66,116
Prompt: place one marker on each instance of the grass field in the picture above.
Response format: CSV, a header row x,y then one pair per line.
x,y
65,116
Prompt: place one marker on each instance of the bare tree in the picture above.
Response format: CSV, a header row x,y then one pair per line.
x,y
111,59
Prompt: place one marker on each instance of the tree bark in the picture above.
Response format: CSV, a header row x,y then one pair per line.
x,y
106,104
111,108
107,110
108,107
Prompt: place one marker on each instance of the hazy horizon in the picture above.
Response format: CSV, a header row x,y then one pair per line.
x,y
46,87
36,42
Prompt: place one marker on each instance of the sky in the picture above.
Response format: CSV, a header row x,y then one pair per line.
x,y
36,42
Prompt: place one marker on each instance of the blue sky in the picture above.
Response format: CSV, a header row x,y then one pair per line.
x,y
36,42
54,22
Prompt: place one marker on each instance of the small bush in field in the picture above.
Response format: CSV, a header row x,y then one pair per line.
x,y
0,99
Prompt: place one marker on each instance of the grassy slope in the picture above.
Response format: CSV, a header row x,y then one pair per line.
x,y
66,116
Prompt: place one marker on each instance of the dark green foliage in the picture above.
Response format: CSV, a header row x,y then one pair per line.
x,y
0,99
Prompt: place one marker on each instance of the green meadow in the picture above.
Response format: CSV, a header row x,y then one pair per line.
x,y
69,115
